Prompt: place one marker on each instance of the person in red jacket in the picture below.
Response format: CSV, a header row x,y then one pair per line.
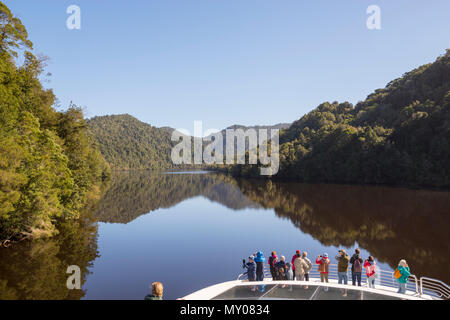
x,y
370,266
295,256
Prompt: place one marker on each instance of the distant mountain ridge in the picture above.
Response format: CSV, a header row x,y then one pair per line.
x,y
130,144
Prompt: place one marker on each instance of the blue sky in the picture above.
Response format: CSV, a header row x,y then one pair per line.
x,y
228,62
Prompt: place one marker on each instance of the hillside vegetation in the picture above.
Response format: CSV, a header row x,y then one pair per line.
x,y
49,167
127,143
399,135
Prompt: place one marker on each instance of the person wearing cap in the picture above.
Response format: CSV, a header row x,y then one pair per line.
x,y
251,269
295,256
343,260
324,264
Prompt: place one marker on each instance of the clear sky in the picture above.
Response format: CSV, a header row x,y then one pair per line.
x,y
170,62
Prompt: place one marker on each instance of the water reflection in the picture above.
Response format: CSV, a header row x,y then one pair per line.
x,y
37,270
390,223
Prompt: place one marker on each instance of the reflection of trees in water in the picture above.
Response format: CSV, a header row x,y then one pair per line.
x,y
391,223
132,194
37,270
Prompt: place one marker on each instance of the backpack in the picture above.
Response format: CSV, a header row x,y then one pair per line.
x,y
397,274
357,266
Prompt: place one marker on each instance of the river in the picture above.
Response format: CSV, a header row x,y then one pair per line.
x,y
191,230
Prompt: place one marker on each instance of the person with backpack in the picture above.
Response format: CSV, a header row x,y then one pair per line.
x,y
251,269
273,259
370,266
343,260
259,260
324,264
356,262
309,263
295,256
401,274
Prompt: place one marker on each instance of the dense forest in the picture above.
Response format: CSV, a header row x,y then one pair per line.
x,y
50,168
127,143
399,135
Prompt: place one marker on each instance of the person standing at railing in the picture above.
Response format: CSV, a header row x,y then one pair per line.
x,y
295,256
300,268
260,266
324,264
251,269
370,266
278,266
343,260
309,263
272,261
289,272
356,262
402,273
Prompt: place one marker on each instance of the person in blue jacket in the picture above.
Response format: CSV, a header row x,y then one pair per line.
x,y
260,266
251,269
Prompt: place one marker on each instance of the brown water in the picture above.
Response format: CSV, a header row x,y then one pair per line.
x,y
192,230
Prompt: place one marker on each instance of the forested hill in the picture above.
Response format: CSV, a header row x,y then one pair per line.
x,y
49,167
127,143
399,135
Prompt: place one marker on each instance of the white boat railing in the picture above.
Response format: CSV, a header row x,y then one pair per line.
x,y
434,287
383,278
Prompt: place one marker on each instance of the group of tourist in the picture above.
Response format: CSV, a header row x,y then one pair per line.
x,y
300,267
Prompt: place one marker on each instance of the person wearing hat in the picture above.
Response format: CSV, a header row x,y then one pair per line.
x,y
251,269
324,264
295,256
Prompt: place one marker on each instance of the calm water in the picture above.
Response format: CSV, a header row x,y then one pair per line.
x,y
193,230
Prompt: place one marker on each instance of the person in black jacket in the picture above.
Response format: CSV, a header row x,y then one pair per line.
x,y
273,259
356,262
280,265
251,269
